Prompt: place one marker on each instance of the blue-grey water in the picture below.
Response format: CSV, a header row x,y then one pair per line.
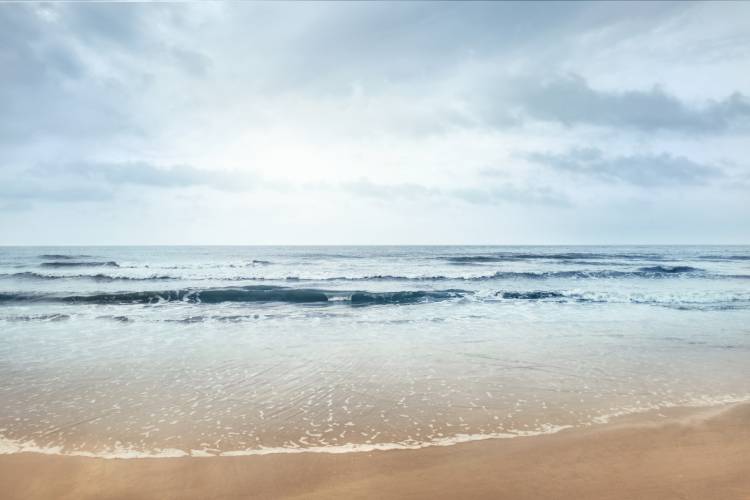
x,y
130,351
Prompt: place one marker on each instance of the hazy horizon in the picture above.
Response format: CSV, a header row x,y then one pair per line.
x,y
333,245
369,123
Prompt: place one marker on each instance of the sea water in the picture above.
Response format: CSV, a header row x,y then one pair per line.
x,y
140,351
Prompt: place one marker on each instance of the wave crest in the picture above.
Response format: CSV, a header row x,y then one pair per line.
x,y
57,264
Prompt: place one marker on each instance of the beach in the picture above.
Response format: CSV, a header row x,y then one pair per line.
x,y
374,250
696,453
374,372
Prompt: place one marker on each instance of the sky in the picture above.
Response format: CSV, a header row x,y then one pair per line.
x,y
374,123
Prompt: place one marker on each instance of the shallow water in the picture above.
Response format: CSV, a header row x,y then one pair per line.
x,y
206,350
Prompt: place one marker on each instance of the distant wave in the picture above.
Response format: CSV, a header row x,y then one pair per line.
x,y
724,257
513,256
313,255
109,263
39,317
643,272
581,257
242,294
92,277
651,272
58,256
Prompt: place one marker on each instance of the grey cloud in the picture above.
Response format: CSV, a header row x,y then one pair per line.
x,y
46,89
41,91
93,182
638,169
410,42
49,89
387,42
129,28
571,101
507,193
114,27
143,174
193,62
82,181
489,195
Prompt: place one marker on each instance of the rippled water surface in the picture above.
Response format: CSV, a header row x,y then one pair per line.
x,y
206,350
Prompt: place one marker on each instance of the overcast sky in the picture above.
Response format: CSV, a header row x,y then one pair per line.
x,y
382,123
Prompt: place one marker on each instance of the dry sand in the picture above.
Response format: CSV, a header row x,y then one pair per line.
x,y
687,454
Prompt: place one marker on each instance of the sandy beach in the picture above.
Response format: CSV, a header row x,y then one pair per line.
x,y
679,454
374,250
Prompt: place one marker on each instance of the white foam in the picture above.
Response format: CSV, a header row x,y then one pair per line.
x,y
10,446
697,402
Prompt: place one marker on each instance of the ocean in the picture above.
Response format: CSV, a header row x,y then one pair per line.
x,y
174,351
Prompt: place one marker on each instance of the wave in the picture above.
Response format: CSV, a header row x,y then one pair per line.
x,y
643,272
407,297
109,263
58,256
724,257
516,256
256,293
669,269
356,298
233,318
92,277
39,317
533,295
690,303
578,257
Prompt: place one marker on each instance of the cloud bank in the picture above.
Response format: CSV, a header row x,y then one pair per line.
x,y
412,122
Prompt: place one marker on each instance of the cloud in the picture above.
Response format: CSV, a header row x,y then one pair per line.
x,y
81,72
84,181
146,174
102,182
499,193
412,98
571,101
639,169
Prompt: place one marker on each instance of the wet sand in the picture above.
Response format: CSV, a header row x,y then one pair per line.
x,y
680,454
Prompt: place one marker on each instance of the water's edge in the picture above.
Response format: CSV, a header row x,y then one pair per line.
x,y
11,447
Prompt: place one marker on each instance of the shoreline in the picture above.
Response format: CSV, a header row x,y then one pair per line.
x,y
12,447
668,453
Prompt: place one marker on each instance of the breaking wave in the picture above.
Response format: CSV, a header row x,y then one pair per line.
x,y
242,294
534,295
58,256
643,272
57,264
39,317
723,302
105,278
669,269
514,256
